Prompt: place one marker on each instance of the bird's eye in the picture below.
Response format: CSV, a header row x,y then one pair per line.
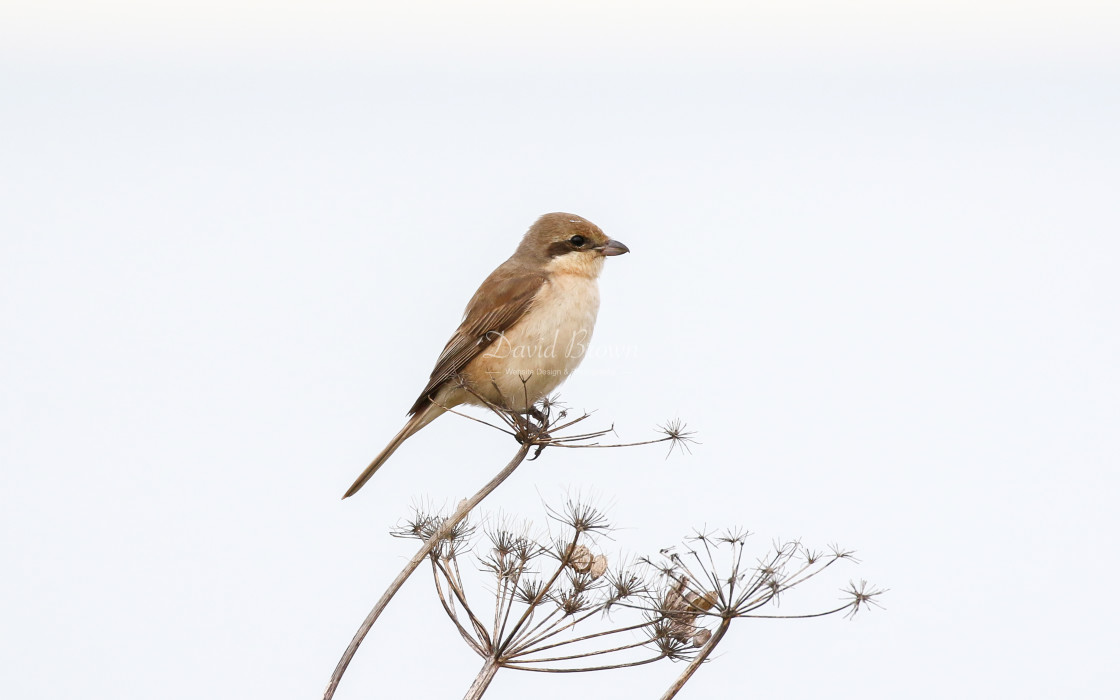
x,y
577,241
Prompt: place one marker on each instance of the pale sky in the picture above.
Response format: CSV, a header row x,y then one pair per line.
x,y
874,253
201,27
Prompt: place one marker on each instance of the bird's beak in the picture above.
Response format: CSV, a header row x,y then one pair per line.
x,y
612,247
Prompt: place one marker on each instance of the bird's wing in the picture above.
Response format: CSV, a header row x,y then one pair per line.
x,y
498,304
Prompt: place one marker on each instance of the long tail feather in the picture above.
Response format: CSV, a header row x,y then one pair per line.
x,y
414,424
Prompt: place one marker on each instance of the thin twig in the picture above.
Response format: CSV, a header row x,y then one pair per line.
x,y
695,663
528,643
477,420
448,525
621,444
544,590
585,654
454,618
806,616
537,650
586,668
456,587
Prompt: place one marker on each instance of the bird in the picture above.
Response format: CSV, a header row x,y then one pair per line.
x,y
523,332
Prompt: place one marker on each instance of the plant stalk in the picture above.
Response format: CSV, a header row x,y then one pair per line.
x,y
465,507
695,663
482,681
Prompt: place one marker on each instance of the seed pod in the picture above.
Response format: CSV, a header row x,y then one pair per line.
x,y
704,602
598,566
701,638
681,631
581,559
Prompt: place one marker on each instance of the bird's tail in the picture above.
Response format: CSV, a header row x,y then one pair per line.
x,y
414,424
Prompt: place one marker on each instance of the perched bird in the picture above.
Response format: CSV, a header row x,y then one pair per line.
x,y
524,330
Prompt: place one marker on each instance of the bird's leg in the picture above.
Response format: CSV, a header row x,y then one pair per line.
x,y
526,426
514,418
541,436
540,416
525,432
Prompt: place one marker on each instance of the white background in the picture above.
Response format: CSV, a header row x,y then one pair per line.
x,y
874,263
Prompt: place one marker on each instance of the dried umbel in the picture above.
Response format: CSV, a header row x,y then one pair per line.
x,y
703,602
548,424
546,602
584,562
681,607
699,592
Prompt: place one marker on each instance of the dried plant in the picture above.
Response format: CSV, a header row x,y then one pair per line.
x,y
551,416
545,602
699,590
547,425
678,605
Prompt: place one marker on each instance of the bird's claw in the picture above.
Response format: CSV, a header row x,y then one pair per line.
x,y
541,439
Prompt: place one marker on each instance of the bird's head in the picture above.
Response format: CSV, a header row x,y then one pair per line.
x,y
569,243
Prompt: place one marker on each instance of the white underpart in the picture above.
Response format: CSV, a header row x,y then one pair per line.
x,y
550,341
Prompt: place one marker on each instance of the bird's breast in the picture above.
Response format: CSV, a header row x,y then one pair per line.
x,y
544,346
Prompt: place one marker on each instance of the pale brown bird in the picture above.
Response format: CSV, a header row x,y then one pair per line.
x,y
523,332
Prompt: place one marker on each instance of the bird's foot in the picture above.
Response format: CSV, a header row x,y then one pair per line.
x,y
539,416
541,439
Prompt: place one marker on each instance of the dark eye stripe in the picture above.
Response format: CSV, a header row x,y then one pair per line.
x,y
559,248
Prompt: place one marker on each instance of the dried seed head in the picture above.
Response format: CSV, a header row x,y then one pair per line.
x,y
624,584
580,582
681,631
572,602
598,566
701,638
580,559
674,601
669,646
706,601
863,595
677,434
528,591
581,517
